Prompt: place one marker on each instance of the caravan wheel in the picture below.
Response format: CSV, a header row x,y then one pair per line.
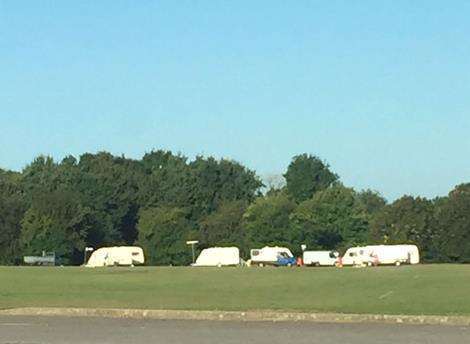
x,y
397,263
260,265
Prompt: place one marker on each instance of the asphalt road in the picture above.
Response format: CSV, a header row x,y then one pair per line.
x,y
60,330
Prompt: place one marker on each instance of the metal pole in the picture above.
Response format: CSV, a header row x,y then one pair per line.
x,y
192,243
194,258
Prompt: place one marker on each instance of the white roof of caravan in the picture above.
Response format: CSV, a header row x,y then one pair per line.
x,y
275,248
222,250
119,248
319,251
215,256
99,256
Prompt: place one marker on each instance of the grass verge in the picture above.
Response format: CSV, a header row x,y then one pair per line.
x,y
409,290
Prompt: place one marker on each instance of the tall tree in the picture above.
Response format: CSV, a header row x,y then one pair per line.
x,y
110,188
42,175
164,199
407,220
371,201
12,209
168,180
266,221
56,221
219,181
331,219
453,225
163,233
224,226
306,175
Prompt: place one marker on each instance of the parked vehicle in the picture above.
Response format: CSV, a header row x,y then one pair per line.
x,y
219,256
392,255
117,256
381,255
355,256
283,259
320,258
413,254
272,256
46,259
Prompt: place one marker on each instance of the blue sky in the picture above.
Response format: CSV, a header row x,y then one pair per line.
x,y
379,89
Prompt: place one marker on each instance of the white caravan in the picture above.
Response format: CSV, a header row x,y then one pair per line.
x,y
269,255
355,256
219,256
320,258
392,254
381,255
116,256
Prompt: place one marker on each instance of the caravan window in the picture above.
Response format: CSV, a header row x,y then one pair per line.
x,y
352,254
135,253
283,255
255,252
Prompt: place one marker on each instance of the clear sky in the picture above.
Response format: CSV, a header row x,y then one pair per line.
x,y
379,89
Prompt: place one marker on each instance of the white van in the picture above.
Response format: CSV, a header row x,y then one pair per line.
x,y
218,256
116,256
269,255
320,258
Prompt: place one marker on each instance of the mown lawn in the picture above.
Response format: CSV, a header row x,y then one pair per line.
x,y
425,289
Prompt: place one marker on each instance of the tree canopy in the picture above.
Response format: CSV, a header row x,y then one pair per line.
x,y
165,199
306,175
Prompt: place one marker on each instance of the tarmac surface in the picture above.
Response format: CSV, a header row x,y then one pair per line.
x,y
81,330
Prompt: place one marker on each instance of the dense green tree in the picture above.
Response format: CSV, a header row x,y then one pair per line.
x,y
452,233
110,188
218,181
12,209
163,200
163,233
41,176
407,220
167,182
370,201
224,226
10,182
331,219
114,189
56,221
306,175
266,221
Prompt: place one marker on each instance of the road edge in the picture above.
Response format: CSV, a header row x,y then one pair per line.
x,y
240,316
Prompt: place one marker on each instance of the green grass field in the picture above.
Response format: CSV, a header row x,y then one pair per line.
x,y
425,289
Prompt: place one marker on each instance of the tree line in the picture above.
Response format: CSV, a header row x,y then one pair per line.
x,y
164,199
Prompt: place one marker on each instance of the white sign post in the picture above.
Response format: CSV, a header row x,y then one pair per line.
x,y
192,243
87,249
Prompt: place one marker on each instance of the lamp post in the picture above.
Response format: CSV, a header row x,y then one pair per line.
x,y
192,243
87,249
